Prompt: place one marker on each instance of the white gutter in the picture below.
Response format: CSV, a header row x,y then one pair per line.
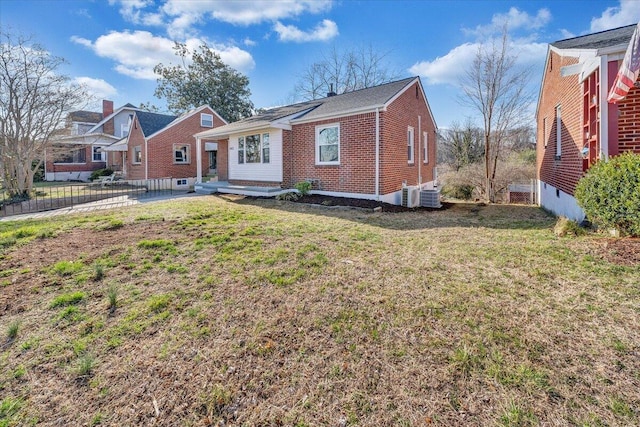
x,y
377,183
198,159
604,108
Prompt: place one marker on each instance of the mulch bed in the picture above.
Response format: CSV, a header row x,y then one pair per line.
x,y
625,251
317,199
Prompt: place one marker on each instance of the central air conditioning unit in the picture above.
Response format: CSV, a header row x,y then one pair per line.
x,y
410,197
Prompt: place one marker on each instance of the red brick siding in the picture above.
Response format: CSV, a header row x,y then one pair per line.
x,y
223,160
356,171
402,113
566,92
629,122
136,138
161,154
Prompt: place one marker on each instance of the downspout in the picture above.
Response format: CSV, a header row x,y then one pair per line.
x,y
604,108
377,178
419,151
146,158
198,160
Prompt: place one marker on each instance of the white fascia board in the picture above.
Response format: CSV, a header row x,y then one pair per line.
x,y
211,134
424,96
620,48
589,67
575,53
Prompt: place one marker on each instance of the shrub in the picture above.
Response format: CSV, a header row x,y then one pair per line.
x,y
100,172
291,196
610,194
303,187
462,192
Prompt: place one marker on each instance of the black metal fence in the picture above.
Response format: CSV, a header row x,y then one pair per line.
x,y
65,195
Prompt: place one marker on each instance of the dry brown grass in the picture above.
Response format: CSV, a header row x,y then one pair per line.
x,y
258,312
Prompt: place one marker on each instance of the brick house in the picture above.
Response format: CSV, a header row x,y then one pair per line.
x,y
76,151
163,146
576,125
376,143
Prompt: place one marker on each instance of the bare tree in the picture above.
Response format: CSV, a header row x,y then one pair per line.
x,y
460,145
344,71
498,91
34,100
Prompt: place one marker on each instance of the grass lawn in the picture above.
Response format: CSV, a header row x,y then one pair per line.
x,y
225,311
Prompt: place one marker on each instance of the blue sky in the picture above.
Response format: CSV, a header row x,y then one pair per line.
x,y
112,45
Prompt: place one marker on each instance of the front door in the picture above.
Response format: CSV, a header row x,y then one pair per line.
x,y
213,162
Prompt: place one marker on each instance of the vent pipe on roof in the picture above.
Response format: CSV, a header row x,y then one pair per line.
x,y
331,92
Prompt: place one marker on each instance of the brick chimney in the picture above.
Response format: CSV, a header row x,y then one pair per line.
x,y
107,110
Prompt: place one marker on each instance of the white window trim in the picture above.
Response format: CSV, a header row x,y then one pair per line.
x,y
133,160
244,150
425,148
124,129
202,116
102,156
188,154
319,128
412,144
558,131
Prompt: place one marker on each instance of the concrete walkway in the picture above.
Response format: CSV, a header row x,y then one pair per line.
x,y
114,202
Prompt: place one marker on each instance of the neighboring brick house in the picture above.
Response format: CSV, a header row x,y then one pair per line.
x,y
576,126
163,146
370,143
77,150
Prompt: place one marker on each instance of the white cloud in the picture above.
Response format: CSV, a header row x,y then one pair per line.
x,y
451,68
326,30
627,13
514,19
244,12
136,53
99,88
248,42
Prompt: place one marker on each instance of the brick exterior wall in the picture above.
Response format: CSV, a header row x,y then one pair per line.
x,y
161,149
566,92
624,123
356,171
223,159
402,113
107,109
629,122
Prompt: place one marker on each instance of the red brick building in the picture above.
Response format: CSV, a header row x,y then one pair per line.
x,y
576,125
376,143
163,146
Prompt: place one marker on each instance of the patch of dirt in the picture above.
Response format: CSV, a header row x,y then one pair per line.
x,y
622,251
331,201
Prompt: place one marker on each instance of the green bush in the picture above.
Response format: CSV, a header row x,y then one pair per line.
x,y
303,187
100,172
610,194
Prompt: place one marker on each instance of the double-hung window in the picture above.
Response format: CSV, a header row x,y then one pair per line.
x,y
181,153
328,144
425,147
254,149
410,145
137,154
206,120
558,133
98,156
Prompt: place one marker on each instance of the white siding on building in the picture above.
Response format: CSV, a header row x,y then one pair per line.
x,y
559,202
271,172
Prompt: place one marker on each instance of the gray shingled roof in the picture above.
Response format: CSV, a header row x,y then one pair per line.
x,y
85,116
329,106
599,40
151,123
363,98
